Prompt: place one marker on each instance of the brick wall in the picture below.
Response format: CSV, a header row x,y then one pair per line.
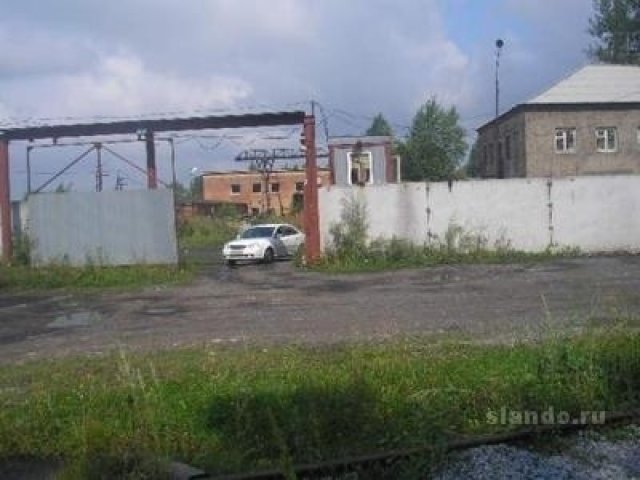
x,y
239,187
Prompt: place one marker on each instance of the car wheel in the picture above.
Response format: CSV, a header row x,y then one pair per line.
x,y
268,255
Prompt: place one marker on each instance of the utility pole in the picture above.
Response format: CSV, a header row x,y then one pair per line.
x,y
99,173
499,45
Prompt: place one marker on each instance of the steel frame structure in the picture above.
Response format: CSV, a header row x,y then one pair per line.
x,y
146,130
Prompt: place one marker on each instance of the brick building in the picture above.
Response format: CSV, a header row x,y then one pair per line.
x,y
587,124
284,189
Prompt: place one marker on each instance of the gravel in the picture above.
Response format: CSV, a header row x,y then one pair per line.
x,y
587,455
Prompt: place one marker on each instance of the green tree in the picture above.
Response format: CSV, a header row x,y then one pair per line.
x,y
472,168
615,26
195,188
380,127
436,145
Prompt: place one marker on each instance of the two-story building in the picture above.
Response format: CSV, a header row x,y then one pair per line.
x,y
277,194
587,124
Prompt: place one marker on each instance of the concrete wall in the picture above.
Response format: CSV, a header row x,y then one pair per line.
x,y
595,214
112,228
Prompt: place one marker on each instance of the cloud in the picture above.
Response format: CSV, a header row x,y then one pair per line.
x,y
28,52
121,85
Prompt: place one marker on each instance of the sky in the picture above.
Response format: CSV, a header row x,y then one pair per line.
x,y
87,60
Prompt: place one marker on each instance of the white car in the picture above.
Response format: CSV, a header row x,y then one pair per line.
x,y
264,243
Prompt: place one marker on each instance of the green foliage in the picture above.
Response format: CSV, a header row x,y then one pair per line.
x,y
349,235
23,277
615,27
351,251
208,231
436,145
230,410
64,187
472,168
379,127
22,247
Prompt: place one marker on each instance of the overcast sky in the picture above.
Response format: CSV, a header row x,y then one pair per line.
x,y
86,59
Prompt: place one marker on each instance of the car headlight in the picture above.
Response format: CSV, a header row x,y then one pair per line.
x,y
253,246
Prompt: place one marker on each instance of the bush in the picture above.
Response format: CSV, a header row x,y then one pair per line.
x,y
350,248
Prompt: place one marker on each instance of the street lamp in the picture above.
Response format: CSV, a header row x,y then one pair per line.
x,y
499,45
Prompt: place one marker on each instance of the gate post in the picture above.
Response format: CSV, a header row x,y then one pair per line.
x,y
5,201
152,173
311,215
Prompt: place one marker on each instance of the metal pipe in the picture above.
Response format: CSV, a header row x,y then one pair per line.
x,y
130,163
29,148
61,172
499,45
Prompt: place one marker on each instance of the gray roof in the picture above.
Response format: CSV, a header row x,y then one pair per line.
x,y
595,84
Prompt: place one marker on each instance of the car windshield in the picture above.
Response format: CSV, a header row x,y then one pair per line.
x,y
258,232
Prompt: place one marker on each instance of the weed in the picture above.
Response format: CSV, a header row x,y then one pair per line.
x,y
232,410
350,250
22,277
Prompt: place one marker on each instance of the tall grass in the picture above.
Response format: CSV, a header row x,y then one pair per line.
x,y
230,410
351,250
22,277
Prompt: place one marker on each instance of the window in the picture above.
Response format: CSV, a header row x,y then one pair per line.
x,y
606,139
360,168
299,186
287,231
235,189
565,140
257,187
275,188
507,147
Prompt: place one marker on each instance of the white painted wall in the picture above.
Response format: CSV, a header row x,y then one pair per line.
x,y
595,214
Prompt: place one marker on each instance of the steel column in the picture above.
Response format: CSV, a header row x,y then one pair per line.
x,y
152,173
5,202
311,216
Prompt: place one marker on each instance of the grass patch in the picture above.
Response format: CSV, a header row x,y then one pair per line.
x,y
351,250
22,277
216,231
232,410
208,231
395,254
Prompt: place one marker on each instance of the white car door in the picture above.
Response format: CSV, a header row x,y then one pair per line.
x,y
292,239
279,242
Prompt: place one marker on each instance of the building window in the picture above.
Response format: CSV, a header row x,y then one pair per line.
x,y
235,189
360,168
565,140
606,139
299,186
507,147
257,187
275,188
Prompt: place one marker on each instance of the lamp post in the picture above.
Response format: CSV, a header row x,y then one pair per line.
x,y
499,45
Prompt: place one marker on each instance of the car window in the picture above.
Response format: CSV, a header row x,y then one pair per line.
x,y
257,232
289,231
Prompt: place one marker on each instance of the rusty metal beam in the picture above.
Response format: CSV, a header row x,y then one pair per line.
x,y
5,202
311,215
152,173
157,125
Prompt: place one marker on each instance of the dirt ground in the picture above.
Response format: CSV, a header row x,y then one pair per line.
x,y
277,303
